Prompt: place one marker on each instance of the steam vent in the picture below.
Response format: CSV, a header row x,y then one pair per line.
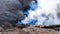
x,y
29,16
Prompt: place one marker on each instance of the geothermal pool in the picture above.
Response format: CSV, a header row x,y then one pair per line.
x,y
44,13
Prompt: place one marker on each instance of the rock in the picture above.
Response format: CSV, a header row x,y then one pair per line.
x,y
22,25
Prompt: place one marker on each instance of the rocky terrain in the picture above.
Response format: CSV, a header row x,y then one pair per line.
x,y
30,30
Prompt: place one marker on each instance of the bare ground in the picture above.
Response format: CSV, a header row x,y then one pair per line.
x,y
30,30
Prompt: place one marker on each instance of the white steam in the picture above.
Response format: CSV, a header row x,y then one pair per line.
x,y
45,13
